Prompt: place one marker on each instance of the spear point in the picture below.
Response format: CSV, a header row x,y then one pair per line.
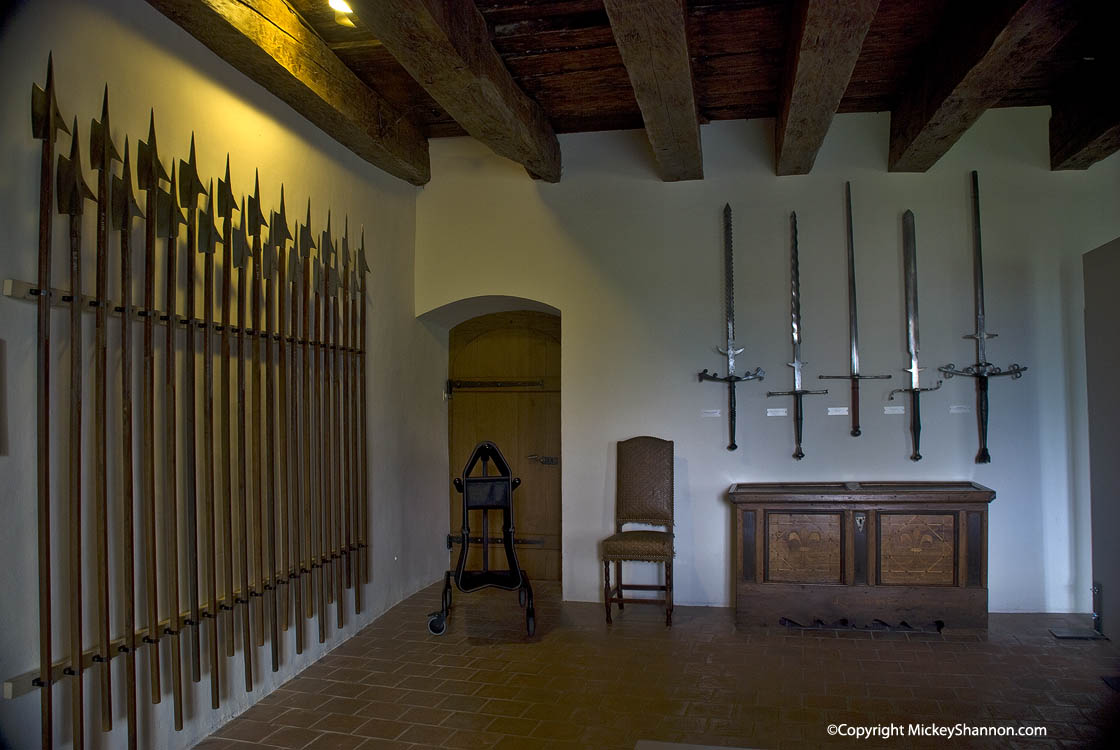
x,y
190,186
149,168
227,204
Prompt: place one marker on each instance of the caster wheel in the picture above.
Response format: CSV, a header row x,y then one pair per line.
x,y
531,622
436,624
522,597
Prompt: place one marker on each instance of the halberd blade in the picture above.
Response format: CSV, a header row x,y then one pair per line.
x,y
305,242
124,206
256,217
190,186
102,150
149,169
168,214
241,248
46,120
227,203
279,222
208,235
73,191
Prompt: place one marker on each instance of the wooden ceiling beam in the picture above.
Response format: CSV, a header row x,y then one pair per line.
x,y
825,41
268,41
445,46
652,39
981,50
1085,129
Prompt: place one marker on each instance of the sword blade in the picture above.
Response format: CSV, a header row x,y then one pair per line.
x,y
978,274
795,302
729,287
853,328
910,271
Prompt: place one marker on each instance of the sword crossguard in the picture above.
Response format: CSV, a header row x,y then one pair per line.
x,y
757,374
912,390
983,370
733,352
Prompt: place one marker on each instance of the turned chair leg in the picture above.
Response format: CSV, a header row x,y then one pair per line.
x,y
618,580
607,588
668,593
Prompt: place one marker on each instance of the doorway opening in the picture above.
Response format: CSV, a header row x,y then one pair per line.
x,y
503,384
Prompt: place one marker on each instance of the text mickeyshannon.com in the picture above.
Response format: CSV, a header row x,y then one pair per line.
x,y
945,731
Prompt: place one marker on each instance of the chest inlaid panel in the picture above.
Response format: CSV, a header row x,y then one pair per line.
x,y
917,549
803,547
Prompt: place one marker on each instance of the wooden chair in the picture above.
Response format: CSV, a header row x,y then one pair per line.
x,y
644,495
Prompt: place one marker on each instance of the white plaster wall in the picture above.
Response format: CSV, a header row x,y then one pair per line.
x,y
147,62
634,265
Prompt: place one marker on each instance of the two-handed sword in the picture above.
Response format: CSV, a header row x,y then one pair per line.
x,y
910,271
983,369
853,328
797,364
731,351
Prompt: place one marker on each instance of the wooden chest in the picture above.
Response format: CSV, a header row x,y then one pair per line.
x,y
826,552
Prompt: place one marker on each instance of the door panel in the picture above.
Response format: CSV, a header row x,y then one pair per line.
x,y
524,422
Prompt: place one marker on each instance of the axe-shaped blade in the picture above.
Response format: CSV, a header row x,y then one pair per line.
x,y
168,214
73,191
305,241
46,120
227,204
207,231
346,242
363,266
256,218
279,224
149,169
190,187
241,249
102,150
295,268
124,205
316,275
326,241
268,260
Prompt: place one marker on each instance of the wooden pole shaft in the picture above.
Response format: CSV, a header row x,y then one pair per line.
x,y
297,477
148,398
100,447
321,494
308,445
43,425
127,572
190,458
77,692
285,469
257,473
228,466
209,517
171,486
345,440
355,448
268,579
170,483
242,469
364,462
330,551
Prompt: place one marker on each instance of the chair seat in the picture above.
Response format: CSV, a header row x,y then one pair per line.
x,y
650,546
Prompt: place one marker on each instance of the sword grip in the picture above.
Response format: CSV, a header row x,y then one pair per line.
x,y
916,423
731,414
983,457
798,424
856,432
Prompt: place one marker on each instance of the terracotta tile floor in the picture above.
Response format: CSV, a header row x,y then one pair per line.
x,y
582,684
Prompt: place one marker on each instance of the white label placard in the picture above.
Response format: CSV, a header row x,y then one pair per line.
x,y
710,413
777,412
894,409
837,411
960,409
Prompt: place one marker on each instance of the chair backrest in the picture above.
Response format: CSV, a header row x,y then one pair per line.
x,y
645,482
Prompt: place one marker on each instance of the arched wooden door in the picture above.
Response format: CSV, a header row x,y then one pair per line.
x,y
504,378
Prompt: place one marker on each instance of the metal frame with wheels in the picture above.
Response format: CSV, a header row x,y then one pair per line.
x,y
485,492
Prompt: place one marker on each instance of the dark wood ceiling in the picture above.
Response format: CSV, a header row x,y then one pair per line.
x,y
562,53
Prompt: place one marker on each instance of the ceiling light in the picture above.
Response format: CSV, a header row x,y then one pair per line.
x,y
341,6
